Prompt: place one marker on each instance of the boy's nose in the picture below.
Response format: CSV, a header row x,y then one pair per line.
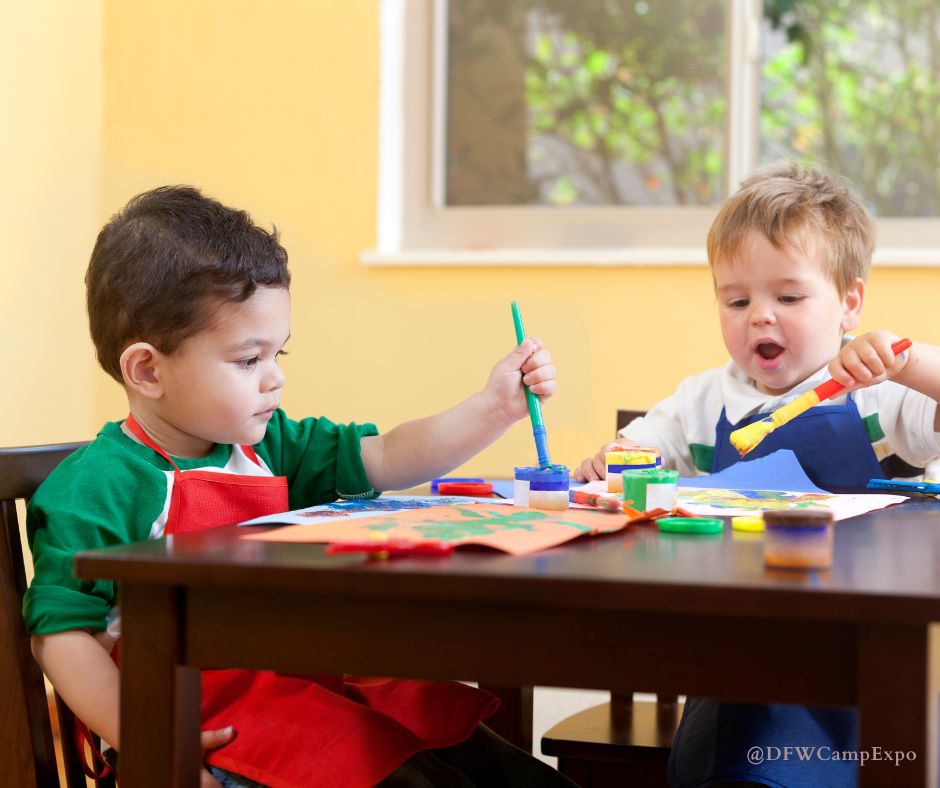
x,y
275,380
762,314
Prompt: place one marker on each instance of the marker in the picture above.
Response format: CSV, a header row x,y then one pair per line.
x,y
535,407
607,502
746,438
925,487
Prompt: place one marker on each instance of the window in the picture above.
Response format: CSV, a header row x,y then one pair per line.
x,y
608,131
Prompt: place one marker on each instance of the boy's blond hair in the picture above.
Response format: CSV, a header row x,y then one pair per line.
x,y
799,208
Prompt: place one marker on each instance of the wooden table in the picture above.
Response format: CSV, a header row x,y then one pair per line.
x,y
631,611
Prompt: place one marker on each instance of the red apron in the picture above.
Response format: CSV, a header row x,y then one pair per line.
x,y
317,731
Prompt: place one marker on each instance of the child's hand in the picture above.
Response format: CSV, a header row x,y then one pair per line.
x,y
422,449
211,740
528,363
867,360
594,468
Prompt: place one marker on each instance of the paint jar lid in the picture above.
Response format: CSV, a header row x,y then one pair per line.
x,y
635,455
652,475
553,473
690,525
798,518
748,524
614,469
465,488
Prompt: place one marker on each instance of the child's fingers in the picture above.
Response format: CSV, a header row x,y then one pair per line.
x,y
859,365
588,473
870,358
517,356
886,354
540,358
595,468
540,375
620,444
544,390
210,740
527,347
839,374
537,344
863,364
206,780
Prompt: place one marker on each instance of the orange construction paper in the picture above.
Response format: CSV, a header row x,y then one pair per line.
x,y
512,529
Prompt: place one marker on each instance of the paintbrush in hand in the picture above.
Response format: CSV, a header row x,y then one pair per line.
x,y
747,438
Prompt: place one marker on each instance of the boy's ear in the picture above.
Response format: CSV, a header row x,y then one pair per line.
x,y
139,364
852,303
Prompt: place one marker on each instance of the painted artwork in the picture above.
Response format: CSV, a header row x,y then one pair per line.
x,y
512,529
716,502
724,502
771,483
774,482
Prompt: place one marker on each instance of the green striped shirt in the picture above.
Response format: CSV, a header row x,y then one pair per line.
x,y
114,490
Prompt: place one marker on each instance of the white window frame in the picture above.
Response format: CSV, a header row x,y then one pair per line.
x,y
416,228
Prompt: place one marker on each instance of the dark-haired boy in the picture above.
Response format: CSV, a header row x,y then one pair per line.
x,y
189,310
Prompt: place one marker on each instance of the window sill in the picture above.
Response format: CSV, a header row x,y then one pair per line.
x,y
892,257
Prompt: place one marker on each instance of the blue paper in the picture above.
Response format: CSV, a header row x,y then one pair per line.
x,y
779,470
503,489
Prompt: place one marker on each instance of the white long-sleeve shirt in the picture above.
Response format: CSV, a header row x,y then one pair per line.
x,y
899,421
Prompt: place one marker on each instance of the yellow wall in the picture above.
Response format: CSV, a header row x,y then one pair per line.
x,y
50,165
273,107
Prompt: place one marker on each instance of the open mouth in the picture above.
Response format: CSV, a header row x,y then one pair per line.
x,y
769,350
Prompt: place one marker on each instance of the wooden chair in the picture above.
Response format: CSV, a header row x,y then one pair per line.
x,y
624,742
27,751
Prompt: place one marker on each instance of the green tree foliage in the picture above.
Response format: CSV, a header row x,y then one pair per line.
x,y
625,101
856,88
629,86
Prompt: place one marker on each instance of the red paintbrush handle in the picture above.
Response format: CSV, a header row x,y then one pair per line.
x,y
831,388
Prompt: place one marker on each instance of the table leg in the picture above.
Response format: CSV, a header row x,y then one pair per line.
x,y
513,719
159,698
892,691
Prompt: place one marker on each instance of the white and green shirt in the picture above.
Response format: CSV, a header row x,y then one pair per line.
x,y
899,421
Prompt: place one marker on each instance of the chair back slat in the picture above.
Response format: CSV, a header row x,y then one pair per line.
x,y
24,468
624,417
27,751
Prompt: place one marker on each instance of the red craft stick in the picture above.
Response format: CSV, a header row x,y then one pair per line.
x,y
392,548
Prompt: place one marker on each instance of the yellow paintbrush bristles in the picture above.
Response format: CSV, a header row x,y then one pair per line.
x,y
747,438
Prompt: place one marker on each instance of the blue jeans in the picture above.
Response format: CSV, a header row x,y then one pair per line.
x,y
232,780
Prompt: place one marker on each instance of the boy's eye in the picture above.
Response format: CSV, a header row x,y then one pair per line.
x,y
790,299
739,303
247,363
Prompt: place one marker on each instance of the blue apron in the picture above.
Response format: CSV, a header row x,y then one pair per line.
x,y
830,441
714,738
